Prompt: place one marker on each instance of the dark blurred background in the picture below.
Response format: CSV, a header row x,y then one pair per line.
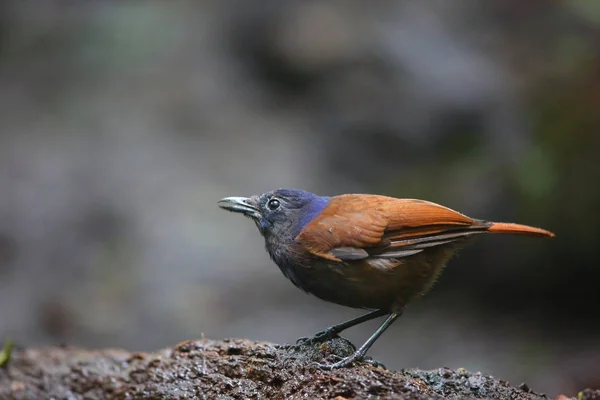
x,y
122,124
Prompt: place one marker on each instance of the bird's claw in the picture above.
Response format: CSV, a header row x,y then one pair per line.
x,y
346,362
342,363
323,366
374,363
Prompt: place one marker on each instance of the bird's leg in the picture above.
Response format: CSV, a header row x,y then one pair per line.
x,y
360,353
334,330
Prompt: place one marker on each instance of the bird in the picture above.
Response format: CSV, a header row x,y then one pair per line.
x,y
364,251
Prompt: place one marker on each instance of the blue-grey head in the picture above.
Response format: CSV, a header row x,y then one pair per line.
x,y
280,214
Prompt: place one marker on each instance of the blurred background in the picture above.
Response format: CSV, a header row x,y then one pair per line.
x,y
123,123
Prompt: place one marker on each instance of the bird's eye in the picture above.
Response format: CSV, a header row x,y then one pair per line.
x,y
273,204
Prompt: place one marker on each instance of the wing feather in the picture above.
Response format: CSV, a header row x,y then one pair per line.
x,y
354,227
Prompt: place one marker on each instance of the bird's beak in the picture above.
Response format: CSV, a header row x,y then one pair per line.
x,y
242,205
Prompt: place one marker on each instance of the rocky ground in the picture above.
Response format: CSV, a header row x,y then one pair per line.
x,y
234,369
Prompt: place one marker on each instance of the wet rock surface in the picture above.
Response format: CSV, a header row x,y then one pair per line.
x,y
233,369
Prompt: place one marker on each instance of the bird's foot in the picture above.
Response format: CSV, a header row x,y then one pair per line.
x,y
319,337
347,361
343,362
374,363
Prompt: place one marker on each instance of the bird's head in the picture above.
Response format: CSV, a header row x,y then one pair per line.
x,y
281,212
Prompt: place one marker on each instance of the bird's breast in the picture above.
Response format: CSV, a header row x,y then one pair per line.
x,y
372,283
290,258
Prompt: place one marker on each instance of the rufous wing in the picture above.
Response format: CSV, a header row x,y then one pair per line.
x,y
354,227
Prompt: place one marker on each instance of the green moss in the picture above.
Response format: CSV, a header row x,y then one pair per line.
x,y
6,352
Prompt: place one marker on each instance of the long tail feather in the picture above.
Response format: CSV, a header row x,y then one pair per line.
x,y
517,229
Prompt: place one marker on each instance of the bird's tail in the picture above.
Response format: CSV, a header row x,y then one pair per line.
x,y
518,229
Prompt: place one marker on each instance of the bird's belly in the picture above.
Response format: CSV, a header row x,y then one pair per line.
x,y
372,284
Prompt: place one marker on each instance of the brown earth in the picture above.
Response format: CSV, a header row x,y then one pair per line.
x,y
234,369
